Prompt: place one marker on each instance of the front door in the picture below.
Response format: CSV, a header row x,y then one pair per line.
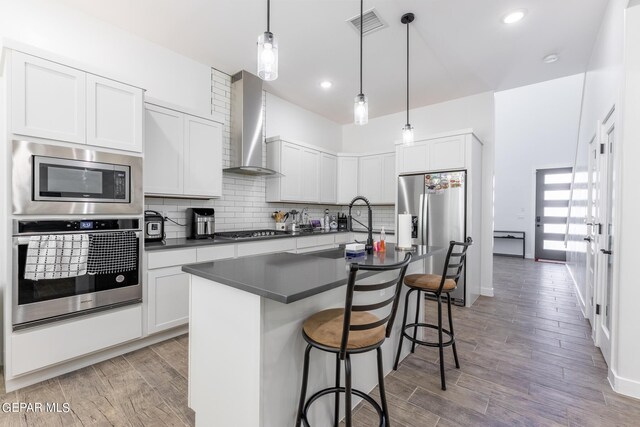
x,y
552,207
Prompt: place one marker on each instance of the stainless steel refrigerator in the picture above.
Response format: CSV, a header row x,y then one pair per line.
x,y
437,203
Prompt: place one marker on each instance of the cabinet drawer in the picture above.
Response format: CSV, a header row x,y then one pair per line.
x,y
266,247
44,346
308,242
212,253
169,258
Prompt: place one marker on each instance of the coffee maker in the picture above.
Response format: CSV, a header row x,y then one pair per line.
x,y
201,223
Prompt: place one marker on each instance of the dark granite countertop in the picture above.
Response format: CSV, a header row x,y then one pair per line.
x,y
180,243
286,277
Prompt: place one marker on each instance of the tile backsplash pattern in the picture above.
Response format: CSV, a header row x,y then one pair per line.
x,y
243,205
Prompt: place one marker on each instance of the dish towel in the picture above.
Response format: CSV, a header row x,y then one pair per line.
x,y
56,256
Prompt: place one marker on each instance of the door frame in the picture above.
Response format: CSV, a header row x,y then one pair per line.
x,y
590,298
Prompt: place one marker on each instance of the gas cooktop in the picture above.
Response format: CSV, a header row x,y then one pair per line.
x,y
250,234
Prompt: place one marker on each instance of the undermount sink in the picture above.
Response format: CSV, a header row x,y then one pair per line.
x,y
336,253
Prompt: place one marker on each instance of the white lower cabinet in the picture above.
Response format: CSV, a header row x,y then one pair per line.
x,y
168,298
41,346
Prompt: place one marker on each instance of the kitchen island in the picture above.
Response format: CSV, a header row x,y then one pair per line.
x,y
245,342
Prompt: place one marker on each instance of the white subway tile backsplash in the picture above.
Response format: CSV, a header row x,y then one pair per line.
x,y
243,205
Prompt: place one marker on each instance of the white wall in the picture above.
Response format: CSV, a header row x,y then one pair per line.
x,y
67,32
297,124
381,132
536,128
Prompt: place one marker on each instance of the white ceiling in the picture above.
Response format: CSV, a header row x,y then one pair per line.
x,y
458,47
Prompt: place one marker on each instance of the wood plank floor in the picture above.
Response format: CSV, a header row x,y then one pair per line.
x,y
526,356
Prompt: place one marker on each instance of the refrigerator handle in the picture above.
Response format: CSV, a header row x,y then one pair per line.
x,y
420,236
425,220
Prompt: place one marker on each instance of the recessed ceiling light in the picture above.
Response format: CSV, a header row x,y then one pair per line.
x,y
515,16
326,84
550,58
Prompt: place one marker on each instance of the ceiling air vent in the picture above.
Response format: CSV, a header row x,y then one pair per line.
x,y
371,22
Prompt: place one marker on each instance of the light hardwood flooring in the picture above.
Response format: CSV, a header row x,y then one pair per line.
x,y
526,357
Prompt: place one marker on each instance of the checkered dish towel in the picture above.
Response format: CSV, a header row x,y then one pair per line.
x,y
56,256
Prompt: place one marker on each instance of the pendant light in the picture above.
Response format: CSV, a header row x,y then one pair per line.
x,y
361,103
407,130
268,51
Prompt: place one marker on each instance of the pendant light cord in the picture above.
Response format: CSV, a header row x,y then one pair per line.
x,y
361,35
407,73
268,16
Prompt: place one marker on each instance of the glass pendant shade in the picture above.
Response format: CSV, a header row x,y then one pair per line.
x,y
361,110
267,56
407,134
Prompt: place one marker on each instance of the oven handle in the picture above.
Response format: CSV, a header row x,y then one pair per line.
x,y
24,240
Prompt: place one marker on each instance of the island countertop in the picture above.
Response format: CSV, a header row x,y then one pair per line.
x,y
286,277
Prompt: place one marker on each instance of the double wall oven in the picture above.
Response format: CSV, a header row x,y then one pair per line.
x,y
76,231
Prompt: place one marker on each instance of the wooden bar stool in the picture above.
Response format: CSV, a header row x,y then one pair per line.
x,y
436,285
352,330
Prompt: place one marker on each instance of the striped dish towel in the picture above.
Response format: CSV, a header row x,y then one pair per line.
x,y
56,256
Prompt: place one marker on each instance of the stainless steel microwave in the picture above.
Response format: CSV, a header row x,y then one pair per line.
x,y
49,179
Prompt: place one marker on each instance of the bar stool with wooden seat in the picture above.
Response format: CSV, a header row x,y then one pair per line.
x,y
352,330
435,285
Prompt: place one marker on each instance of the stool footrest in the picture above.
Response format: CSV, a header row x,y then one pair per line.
x,y
333,390
452,338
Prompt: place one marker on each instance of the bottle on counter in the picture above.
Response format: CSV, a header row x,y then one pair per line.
x,y
327,220
382,246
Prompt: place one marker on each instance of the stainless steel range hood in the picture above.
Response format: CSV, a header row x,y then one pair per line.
x,y
246,126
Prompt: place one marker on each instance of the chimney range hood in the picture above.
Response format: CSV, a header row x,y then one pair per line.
x,y
246,126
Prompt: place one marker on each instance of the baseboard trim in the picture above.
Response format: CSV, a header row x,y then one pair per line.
x,y
486,292
625,386
579,297
25,380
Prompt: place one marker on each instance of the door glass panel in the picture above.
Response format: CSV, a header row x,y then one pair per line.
x,y
557,195
556,212
554,245
554,228
558,178
611,200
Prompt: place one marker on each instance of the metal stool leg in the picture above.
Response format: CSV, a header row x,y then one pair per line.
x,y
383,395
336,418
440,346
419,301
347,390
303,392
404,324
455,352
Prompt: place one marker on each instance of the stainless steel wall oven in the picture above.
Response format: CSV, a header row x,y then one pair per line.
x,y
64,268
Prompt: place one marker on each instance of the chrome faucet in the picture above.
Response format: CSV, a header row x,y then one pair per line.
x,y
369,245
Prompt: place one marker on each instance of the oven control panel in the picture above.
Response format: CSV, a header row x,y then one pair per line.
x,y
77,225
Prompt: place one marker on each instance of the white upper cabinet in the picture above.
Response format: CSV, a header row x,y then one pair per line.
x,y
437,154
47,99
370,178
347,178
203,157
390,179
114,114
413,158
291,164
164,151
183,154
376,178
53,101
328,178
310,176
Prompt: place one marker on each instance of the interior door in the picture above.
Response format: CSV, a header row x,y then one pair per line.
x,y
604,287
593,219
552,207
